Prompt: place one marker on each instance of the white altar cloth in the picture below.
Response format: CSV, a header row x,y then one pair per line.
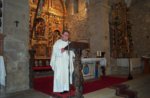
x,y
84,60
2,71
134,62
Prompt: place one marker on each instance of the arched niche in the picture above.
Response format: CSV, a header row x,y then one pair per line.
x,y
40,28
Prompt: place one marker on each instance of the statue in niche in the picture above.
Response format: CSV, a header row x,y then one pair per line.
x,y
40,28
56,35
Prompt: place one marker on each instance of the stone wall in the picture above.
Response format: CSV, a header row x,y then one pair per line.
x,y
77,22
91,23
77,25
98,27
140,19
16,44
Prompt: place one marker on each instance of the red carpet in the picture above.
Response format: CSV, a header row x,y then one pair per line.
x,y
45,84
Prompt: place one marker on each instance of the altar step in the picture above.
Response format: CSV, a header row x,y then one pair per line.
x,y
104,93
124,70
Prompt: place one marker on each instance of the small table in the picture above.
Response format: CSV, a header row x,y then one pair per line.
x,y
146,62
2,71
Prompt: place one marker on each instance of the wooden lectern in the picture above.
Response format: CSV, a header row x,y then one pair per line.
x,y
77,47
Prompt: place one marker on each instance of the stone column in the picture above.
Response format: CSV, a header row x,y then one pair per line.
x,y
98,22
16,44
70,9
2,88
1,43
31,64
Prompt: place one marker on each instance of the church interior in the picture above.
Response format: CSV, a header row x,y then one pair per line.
x,y
117,29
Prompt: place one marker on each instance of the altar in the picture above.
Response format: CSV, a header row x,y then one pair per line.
x,y
91,68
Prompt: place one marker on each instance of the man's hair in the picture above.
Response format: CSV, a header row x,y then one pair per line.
x,y
65,31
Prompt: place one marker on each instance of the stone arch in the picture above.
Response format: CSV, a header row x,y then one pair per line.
x,y
64,6
55,2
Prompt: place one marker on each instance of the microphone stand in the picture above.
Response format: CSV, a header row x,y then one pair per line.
x,y
69,69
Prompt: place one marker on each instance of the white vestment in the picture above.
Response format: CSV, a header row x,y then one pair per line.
x,y
60,64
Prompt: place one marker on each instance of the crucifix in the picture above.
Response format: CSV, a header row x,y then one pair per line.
x,y
16,22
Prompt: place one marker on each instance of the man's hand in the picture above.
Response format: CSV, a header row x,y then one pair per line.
x,y
62,50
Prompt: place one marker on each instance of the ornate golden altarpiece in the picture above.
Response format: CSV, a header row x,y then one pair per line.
x,y
46,24
120,31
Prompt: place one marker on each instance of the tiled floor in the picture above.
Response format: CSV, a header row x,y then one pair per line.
x,y
104,93
140,84
26,94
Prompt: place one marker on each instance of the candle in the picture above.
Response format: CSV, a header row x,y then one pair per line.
x,y
97,53
100,53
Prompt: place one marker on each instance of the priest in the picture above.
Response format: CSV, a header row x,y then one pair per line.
x,y
62,64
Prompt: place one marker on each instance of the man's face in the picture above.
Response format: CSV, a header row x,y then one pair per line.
x,y
65,36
